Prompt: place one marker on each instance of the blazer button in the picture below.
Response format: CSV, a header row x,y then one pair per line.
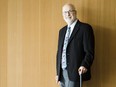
x,y
67,54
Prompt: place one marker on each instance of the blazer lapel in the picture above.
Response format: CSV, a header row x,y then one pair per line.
x,y
76,28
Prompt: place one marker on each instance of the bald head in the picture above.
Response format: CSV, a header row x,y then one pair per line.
x,y
69,5
69,13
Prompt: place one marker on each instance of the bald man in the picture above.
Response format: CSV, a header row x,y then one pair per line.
x,y
75,52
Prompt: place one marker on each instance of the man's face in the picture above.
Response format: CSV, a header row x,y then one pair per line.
x,y
69,14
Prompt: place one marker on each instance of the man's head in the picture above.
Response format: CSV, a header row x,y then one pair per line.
x,y
69,13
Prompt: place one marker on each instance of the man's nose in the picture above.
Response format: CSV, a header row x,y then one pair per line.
x,y
68,13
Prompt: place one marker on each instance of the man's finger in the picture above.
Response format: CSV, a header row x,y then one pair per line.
x,y
80,71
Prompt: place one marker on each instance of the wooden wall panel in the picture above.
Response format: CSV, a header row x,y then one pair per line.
x,y
28,41
3,43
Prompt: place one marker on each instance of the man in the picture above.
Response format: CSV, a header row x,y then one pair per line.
x,y
75,49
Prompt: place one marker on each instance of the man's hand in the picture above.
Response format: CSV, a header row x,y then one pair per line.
x,y
82,70
57,80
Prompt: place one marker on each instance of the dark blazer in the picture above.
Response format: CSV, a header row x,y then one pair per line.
x,y
80,51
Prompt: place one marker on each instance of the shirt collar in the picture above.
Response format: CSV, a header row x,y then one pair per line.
x,y
73,24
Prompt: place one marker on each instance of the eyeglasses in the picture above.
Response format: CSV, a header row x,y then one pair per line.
x,y
70,11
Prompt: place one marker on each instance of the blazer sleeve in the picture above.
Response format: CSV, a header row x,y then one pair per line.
x,y
58,53
57,56
88,44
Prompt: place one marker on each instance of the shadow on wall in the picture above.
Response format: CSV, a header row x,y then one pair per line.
x,y
103,68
